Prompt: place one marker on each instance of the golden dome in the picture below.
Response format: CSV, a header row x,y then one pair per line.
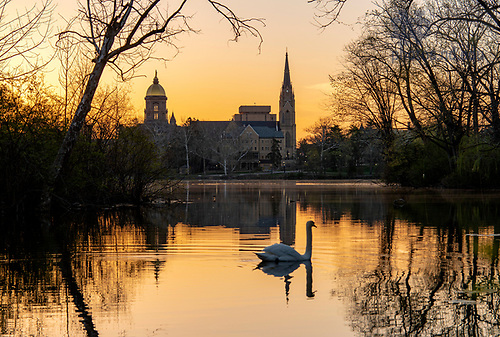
x,y
155,89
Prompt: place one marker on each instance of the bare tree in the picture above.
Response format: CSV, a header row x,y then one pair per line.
x,y
404,61
484,12
21,37
186,134
326,136
68,78
111,110
442,62
122,34
366,92
222,143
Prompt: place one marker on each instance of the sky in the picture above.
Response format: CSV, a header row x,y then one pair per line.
x,y
211,76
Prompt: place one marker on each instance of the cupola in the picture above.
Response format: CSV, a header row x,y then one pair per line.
x,y
155,89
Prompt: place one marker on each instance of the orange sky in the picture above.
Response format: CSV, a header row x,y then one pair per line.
x,y
211,76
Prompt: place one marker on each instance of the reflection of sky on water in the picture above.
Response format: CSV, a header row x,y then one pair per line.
x,y
189,270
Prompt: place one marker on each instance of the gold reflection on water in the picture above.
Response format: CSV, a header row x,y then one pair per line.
x,y
375,270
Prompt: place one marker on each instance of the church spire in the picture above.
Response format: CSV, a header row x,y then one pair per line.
x,y
286,88
173,120
287,114
286,78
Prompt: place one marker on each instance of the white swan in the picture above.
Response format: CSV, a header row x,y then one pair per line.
x,y
281,252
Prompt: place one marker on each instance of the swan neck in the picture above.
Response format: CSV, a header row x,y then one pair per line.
x,y
308,252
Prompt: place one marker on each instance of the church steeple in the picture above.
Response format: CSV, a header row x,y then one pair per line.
x,y
287,113
173,121
286,78
286,95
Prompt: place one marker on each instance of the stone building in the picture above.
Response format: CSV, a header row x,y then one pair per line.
x,y
250,134
156,111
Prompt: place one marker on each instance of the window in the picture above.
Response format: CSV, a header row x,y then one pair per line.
x,y
155,108
155,116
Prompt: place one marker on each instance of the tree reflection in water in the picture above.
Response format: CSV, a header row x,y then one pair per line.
x,y
428,268
58,267
441,283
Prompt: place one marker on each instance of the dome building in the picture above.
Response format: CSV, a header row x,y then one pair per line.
x,y
156,103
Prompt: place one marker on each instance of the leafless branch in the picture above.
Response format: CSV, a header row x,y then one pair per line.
x,y
21,38
328,11
139,26
239,25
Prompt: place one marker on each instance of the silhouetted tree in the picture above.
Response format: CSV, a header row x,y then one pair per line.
x,y
29,132
366,92
122,35
326,137
275,154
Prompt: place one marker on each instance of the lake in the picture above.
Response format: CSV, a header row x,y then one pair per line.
x,y
428,266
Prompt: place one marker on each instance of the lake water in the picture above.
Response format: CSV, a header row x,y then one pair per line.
x,y
428,268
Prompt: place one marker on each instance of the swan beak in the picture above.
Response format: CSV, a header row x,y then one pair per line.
x,y
313,225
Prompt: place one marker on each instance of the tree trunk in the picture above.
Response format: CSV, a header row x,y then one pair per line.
x,y
186,147
76,294
75,127
495,117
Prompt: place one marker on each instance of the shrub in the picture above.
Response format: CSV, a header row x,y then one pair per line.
x,y
411,162
477,164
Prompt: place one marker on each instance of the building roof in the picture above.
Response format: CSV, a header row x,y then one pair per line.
x,y
269,124
262,128
265,129
155,89
213,124
254,109
267,132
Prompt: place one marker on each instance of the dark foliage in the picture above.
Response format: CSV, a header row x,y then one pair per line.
x,y
121,168
356,153
28,141
411,162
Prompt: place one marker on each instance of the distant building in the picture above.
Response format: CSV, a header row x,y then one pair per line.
x,y
156,111
250,134
257,139
265,127
250,141
254,113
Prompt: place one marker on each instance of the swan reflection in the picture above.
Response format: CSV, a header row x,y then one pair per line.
x,y
284,269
